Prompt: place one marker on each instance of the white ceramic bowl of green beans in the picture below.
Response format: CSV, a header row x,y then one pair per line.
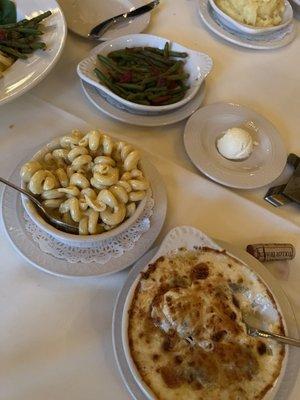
x,y
196,66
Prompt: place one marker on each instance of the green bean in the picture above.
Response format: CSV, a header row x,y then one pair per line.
x,y
119,54
135,96
107,62
26,51
151,79
174,99
144,58
154,96
159,100
13,25
167,49
155,50
174,68
132,86
175,54
109,83
178,77
144,102
145,75
31,31
23,46
180,89
139,69
15,44
122,90
37,45
157,57
178,54
26,39
156,89
13,52
37,19
102,76
20,37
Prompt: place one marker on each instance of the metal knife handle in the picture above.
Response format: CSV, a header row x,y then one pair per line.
x,y
274,336
99,30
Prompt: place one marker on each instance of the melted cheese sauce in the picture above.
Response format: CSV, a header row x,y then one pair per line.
x,y
186,333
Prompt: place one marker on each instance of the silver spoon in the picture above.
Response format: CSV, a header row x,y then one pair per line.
x,y
254,332
250,319
268,335
62,226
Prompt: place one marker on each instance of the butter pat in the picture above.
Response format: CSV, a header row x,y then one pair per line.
x,y
235,144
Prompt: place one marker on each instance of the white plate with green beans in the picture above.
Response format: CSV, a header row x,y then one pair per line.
x,y
32,36
146,73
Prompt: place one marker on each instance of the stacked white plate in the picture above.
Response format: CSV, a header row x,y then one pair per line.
x,y
23,75
198,66
245,35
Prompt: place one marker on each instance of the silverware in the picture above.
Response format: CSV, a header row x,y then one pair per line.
x,y
268,335
290,192
252,319
254,332
53,221
98,30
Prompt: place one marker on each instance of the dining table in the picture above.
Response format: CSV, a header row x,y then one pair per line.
x,y
56,332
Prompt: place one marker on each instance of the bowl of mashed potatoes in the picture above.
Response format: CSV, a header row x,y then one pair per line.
x,y
253,16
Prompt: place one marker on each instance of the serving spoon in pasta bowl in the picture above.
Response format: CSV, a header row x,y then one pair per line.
x,y
63,226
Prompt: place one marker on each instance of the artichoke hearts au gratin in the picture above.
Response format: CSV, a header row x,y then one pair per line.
x,y
186,332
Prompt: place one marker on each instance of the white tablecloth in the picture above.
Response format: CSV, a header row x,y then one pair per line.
x,y
55,334
266,81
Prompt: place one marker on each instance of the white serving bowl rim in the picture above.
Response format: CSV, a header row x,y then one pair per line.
x,y
76,240
198,65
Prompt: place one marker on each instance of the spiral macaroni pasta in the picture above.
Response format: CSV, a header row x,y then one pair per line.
x,y
90,181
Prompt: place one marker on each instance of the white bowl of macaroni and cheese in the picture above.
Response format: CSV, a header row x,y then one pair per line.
x,y
88,180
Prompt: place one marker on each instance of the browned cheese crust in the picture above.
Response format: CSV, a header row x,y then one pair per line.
x,y
187,295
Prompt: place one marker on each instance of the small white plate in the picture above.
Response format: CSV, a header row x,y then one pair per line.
x,y
14,225
119,112
188,236
252,30
25,74
197,65
273,40
264,165
82,16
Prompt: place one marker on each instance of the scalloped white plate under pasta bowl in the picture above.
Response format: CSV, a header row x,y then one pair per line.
x,y
25,74
287,18
197,65
189,237
225,30
15,225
